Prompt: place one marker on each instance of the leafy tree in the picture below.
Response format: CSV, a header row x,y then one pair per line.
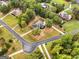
x,y
48,22
4,9
75,52
37,31
25,18
43,1
50,15
59,7
57,20
15,3
56,49
4,46
76,57
76,37
76,13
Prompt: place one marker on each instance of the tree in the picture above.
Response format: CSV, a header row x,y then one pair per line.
x,y
57,20
59,7
76,37
56,49
30,13
48,1
37,31
4,9
76,57
4,46
25,18
76,13
15,3
75,52
50,15
48,22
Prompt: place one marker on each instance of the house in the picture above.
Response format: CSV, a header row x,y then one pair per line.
x,y
77,1
65,15
17,12
44,5
39,24
4,57
2,2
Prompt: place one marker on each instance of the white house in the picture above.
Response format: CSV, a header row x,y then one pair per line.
x,y
4,3
39,24
44,5
17,12
65,15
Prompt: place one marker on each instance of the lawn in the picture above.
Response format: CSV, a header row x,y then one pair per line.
x,y
47,34
1,15
28,56
23,30
11,20
5,34
60,1
71,25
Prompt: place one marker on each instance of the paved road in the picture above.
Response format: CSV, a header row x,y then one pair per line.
x,y
25,44
28,47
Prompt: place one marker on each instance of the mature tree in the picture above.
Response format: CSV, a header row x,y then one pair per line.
x,y
4,46
75,52
37,31
48,22
43,1
76,13
76,37
50,15
15,3
4,9
59,7
57,20
76,57
25,18
56,49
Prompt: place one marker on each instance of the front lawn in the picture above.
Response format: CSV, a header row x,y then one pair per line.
x,y
60,1
11,20
71,25
46,33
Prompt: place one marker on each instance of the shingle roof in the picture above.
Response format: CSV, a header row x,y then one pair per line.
x,y
4,57
77,1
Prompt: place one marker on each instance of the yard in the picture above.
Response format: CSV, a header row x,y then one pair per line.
x,y
11,20
60,1
46,33
71,25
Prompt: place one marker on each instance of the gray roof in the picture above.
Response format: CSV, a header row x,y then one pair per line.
x,y
77,1
4,57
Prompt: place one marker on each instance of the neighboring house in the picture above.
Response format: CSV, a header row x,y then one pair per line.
x,y
17,12
2,2
77,1
65,15
44,5
4,57
39,24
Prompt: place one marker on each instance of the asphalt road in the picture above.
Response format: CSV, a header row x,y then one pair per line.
x,y
29,47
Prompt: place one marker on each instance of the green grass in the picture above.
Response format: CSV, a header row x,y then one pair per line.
x,y
5,34
60,1
22,31
71,25
11,20
47,35
1,15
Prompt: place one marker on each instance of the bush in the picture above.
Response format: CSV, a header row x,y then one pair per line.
x,y
36,31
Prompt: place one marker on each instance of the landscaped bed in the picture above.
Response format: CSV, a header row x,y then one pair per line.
x,y
45,34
